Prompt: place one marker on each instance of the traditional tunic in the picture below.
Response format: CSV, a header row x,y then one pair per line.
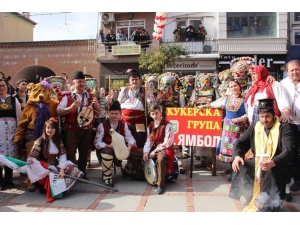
x,y
292,91
133,111
278,142
40,160
279,94
235,107
103,138
77,138
10,110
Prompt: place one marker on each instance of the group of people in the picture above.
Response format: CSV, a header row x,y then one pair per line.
x,y
259,135
190,33
139,34
259,138
57,136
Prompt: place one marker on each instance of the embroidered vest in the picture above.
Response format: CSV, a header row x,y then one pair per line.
x,y
72,116
8,108
140,95
106,125
158,134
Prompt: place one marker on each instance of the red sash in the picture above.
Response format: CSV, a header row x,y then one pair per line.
x,y
130,116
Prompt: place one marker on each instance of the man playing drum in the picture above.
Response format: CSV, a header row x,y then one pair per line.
x,y
103,141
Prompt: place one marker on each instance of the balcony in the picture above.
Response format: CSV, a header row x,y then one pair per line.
x,y
209,46
252,46
104,51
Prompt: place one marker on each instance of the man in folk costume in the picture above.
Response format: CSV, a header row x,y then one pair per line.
x,y
291,84
159,146
70,106
263,178
103,142
134,100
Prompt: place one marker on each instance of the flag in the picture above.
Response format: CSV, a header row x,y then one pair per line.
x,y
13,163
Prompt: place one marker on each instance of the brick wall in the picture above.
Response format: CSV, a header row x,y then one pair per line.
x,y
58,56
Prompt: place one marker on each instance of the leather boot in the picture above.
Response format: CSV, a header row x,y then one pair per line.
x,y
8,177
2,184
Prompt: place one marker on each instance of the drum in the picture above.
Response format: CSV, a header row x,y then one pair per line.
x,y
150,172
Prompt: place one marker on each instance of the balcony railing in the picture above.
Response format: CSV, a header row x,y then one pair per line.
x,y
104,50
210,45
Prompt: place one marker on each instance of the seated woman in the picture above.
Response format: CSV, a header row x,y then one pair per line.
x,y
159,145
48,152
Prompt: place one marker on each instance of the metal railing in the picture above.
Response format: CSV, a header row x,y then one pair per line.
x,y
210,45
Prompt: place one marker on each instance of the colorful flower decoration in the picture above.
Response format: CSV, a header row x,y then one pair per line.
x,y
45,84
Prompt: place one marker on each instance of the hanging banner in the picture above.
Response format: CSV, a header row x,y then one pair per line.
x,y
195,127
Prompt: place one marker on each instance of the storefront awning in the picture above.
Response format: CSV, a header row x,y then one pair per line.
x,y
293,53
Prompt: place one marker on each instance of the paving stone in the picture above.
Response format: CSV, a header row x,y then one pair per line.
x,y
76,200
201,204
210,187
165,203
119,202
58,210
30,198
17,209
128,185
88,187
176,187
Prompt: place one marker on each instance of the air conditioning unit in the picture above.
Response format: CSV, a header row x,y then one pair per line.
x,y
207,49
107,18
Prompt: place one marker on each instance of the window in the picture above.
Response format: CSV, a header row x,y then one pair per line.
x,y
251,24
296,37
130,26
297,17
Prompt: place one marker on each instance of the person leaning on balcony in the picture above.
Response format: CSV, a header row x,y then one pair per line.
x,y
120,35
201,33
178,33
144,35
101,36
111,37
190,32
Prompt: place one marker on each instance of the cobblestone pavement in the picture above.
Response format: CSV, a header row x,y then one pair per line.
x,y
201,193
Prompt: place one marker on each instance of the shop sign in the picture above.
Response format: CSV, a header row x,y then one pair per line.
x,y
126,49
192,65
264,60
195,127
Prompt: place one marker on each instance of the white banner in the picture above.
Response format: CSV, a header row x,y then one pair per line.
x,y
193,65
57,185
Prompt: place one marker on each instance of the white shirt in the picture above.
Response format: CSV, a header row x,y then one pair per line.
x,y
280,96
64,101
293,95
133,102
100,134
168,140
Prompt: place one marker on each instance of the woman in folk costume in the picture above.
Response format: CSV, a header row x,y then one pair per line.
x,y
235,121
47,153
10,110
262,89
159,145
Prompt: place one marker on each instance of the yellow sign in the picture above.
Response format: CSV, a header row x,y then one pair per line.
x,y
126,49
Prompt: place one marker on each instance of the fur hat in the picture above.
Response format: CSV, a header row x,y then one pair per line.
x,y
115,105
78,75
133,73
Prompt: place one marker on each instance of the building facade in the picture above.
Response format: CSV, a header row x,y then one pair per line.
x,y
15,27
39,59
261,35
